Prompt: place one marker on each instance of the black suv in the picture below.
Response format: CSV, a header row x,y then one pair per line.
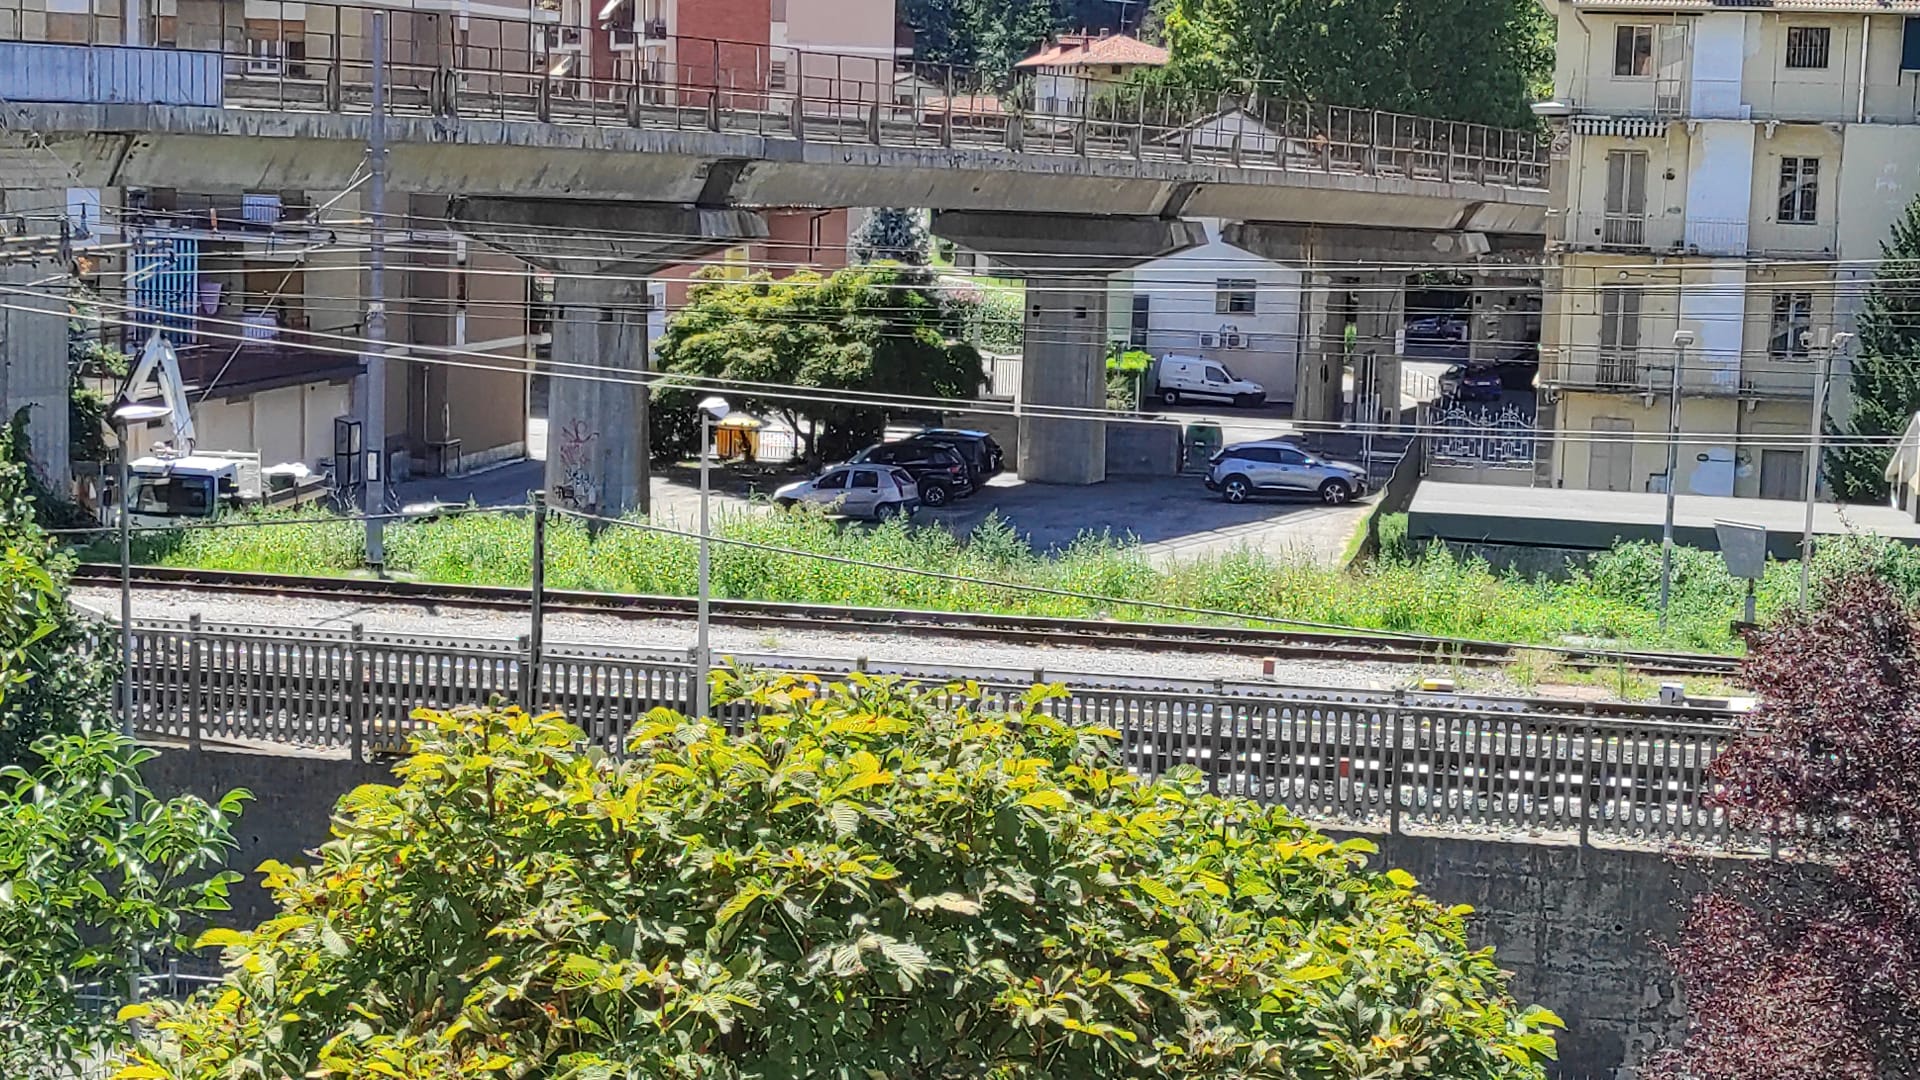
x,y
939,469
977,448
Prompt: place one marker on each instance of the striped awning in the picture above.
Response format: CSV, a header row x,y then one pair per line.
x,y
1631,127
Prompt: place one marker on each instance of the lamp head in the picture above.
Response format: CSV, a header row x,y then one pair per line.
x,y
716,408
1682,338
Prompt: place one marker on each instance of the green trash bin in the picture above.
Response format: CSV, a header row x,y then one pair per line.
x,y
1203,441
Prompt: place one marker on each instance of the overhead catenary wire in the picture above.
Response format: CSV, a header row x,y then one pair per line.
x,y
495,362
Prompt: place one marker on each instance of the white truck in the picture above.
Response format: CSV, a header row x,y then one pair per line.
x,y
1175,377
180,482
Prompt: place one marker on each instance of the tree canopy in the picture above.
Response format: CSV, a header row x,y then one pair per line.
x,y
1476,60
872,881
97,879
879,329
1809,967
54,678
990,36
1886,367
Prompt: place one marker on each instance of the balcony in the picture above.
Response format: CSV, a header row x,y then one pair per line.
x,y
1613,230
1716,237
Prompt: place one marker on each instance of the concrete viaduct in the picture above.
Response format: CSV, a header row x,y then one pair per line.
x,y
1063,211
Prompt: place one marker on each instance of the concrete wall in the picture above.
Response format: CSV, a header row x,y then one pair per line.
x,y
1144,449
1578,927
285,424
1182,292
1751,434
33,368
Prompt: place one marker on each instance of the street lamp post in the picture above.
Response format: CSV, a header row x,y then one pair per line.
x,y
1826,345
1681,339
712,411
124,415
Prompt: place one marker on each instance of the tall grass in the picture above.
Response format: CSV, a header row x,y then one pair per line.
x,y
1433,593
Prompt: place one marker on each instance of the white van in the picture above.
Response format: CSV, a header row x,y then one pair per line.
x,y
1176,376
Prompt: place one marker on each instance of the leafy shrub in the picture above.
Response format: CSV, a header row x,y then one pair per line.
x,y
871,881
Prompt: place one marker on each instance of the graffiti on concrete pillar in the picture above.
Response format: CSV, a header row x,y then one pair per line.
x,y
577,489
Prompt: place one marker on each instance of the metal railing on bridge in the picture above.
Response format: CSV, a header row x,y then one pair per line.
x,y
1355,759
303,56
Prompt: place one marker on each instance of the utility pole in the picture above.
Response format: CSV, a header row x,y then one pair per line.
x,y
1681,339
1825,344
374,500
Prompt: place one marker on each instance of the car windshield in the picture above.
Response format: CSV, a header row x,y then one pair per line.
x,y
174,496
1228,372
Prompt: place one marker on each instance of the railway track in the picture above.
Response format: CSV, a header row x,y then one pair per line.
x,y
1095,633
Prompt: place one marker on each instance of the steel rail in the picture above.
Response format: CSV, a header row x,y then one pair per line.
x,y
1014,629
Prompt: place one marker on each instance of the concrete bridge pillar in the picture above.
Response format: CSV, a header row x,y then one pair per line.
x,y
1066,261
597,424
1378,341
601,254
33,367
1063,366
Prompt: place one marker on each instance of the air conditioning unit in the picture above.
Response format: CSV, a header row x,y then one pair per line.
x,y
1233,341
1209,341
263,65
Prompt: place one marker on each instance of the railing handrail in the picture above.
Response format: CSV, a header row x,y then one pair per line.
x,y
511,78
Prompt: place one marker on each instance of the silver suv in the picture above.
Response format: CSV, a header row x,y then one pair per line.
x,y
1276,467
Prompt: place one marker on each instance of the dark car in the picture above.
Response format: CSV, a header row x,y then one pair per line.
x,y
1438,328
939,469
977,448
1471,382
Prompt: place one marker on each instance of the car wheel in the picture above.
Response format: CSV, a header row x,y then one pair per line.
x,y
1237,489
1169,397
885,511
784,504
1335,492
936,494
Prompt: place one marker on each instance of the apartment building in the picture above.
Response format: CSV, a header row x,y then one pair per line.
x,y
1730,170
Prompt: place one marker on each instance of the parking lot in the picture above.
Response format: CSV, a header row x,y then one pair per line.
x,y
1174,517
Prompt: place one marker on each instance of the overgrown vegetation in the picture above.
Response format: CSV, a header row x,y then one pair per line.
x,y
1885,375
55,677
1810,966
870,881
879,329
1614,600
98,880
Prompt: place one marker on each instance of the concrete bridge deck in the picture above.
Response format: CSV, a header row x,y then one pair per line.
x,y
493,120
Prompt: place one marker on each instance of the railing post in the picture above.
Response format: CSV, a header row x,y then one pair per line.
x,y
543,99
537,609
336,78
1587,778
196,680
529,673
946,114
1140,124
713,98
873,121
1390,761
1373,141
359,693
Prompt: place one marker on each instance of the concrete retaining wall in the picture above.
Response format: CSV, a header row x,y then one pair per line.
x,y
1577,926
1143,449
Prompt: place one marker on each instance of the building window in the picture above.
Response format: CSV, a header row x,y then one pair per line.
x,y
1633,51
1619,336
1792,324
1807,46
1234,296
777,75
1799,190
1142,320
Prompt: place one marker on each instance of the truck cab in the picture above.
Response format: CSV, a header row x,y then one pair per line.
x,y
172,490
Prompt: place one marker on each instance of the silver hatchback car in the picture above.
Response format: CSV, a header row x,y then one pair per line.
x,y
1274,467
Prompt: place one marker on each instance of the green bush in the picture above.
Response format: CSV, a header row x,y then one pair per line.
x,y
871,880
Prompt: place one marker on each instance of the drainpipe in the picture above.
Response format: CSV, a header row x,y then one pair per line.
x,y
1860,112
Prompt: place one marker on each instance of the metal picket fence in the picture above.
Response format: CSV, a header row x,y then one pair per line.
x,y
1358,759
